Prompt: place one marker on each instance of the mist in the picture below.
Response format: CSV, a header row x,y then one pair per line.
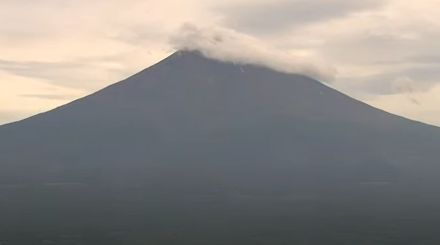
x,y
231,46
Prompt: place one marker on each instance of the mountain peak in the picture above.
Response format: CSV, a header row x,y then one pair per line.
x,y
200,88
231,46
194,137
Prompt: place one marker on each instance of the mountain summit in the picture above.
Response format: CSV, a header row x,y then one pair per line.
x,y
198,151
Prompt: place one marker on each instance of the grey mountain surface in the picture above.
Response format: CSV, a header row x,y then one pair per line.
x,y
198,151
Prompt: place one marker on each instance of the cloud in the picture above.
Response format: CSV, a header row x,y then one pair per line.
x,y
395,81
275,16
9,116
68,73
14,106
419,105
63,97
228,45
79,73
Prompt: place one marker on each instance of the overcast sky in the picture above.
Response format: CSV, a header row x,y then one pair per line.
x,y
383,52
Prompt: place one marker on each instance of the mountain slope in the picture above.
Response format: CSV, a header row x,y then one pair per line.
x,y
196,151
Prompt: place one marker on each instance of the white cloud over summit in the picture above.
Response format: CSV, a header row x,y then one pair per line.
x,y
231,46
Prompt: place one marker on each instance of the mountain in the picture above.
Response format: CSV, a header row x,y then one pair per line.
x,y
198,151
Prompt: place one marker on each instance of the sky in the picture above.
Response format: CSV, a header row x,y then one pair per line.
x,y
383,52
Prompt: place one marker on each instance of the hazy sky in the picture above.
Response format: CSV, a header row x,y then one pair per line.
x,y
384,52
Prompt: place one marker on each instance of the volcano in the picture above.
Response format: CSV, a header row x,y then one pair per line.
x,y
198,151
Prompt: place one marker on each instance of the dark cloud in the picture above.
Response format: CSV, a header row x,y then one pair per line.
x,y
270,17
